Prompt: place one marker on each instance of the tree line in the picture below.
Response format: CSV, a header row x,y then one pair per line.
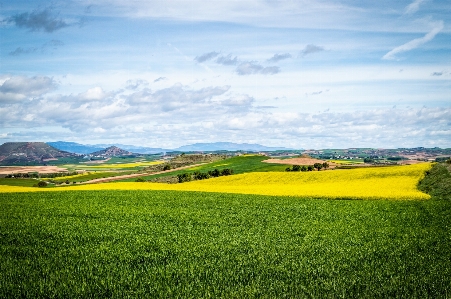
x,y
197,175
303,168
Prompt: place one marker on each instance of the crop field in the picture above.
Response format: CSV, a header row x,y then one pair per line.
x,y
124,165
79,242
117,166
240,164
398,182
210,245
347,162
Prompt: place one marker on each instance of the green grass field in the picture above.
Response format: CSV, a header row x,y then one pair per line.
x,y
241,164
93,175
173,244
18,182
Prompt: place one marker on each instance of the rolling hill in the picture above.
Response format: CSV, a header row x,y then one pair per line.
x,y
19,153
112,151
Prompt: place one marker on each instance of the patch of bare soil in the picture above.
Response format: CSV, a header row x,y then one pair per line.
x,y
27,169
298,161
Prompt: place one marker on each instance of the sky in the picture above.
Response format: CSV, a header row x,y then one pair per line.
x,y
297,74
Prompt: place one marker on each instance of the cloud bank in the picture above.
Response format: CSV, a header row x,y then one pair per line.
x,y
161,115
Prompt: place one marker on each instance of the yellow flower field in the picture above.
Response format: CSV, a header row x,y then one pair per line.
x,y
398,182
124,165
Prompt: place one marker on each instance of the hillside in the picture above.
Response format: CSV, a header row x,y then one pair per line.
x,y
112,151
18,153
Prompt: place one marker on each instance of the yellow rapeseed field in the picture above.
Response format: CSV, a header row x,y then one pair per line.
x,y
125,165
398,182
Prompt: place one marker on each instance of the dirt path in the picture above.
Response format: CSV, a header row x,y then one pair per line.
x,y
135,175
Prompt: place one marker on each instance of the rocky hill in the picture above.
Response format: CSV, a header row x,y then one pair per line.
x,y
112,151
19,153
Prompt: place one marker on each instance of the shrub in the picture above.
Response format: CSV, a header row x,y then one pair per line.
x,y
184,177
227,171
201,176
215,173
140,180
42,184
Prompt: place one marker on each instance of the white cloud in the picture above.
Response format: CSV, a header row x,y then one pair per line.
x,y
17,88
279,57
415,43
92,94
250,68
309,49
206,56
413,7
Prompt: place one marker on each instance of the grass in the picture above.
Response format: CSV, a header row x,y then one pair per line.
x,y
437,181
18,182
92,176
167,244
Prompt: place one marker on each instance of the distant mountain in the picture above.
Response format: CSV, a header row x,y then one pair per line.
x,y
216,146
141,149
228,146
18,153
78,148
73,147
112,151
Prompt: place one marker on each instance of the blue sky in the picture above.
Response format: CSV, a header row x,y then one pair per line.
x,y
302,74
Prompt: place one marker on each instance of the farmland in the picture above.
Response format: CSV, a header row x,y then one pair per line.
x,y
185,242
389,182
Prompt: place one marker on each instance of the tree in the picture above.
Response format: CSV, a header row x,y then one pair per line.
x,y
310,168
303,168
296,168
318,166
325,165
288,169
166,167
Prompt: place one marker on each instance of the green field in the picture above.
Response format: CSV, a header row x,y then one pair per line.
x,y
174,244
240,164
18,182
